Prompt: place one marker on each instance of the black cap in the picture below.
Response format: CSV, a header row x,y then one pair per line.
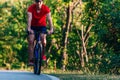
x,y
38,0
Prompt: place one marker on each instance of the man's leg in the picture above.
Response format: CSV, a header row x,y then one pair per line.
x,y
43,38
30,47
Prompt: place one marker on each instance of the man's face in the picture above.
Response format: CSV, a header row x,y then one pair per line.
x,y
39,3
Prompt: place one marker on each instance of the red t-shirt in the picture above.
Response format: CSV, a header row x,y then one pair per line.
x,y
38,18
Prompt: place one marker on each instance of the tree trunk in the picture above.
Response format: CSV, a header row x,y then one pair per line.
x,y
83,48
84,38
65,37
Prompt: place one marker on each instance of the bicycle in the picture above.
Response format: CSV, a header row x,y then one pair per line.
x,y
37,55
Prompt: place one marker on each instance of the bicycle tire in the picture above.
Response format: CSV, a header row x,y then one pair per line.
x,y
38,58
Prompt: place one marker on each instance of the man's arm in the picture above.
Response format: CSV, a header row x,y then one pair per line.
x,y
29,19
50,22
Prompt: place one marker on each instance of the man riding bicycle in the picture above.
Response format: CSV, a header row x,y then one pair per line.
x,y
37,14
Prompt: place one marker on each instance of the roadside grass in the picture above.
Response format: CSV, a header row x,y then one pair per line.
x,y
75,75
85,77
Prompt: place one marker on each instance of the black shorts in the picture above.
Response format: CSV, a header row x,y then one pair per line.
x,y
42,29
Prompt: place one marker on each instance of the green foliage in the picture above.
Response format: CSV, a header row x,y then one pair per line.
x,y
103,46
13,36
106,30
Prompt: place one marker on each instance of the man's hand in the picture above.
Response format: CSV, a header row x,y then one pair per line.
x,y
51,31
30,31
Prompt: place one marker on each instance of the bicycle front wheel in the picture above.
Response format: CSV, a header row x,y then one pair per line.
x,y
38,59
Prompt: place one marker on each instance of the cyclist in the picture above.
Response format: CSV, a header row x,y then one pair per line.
x,y
37,14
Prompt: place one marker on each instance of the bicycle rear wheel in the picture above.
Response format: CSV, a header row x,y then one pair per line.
x,y
38,58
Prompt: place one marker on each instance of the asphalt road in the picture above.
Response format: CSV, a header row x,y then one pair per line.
x,y
17,75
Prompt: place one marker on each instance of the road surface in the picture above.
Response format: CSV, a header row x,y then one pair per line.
x,y
17,75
